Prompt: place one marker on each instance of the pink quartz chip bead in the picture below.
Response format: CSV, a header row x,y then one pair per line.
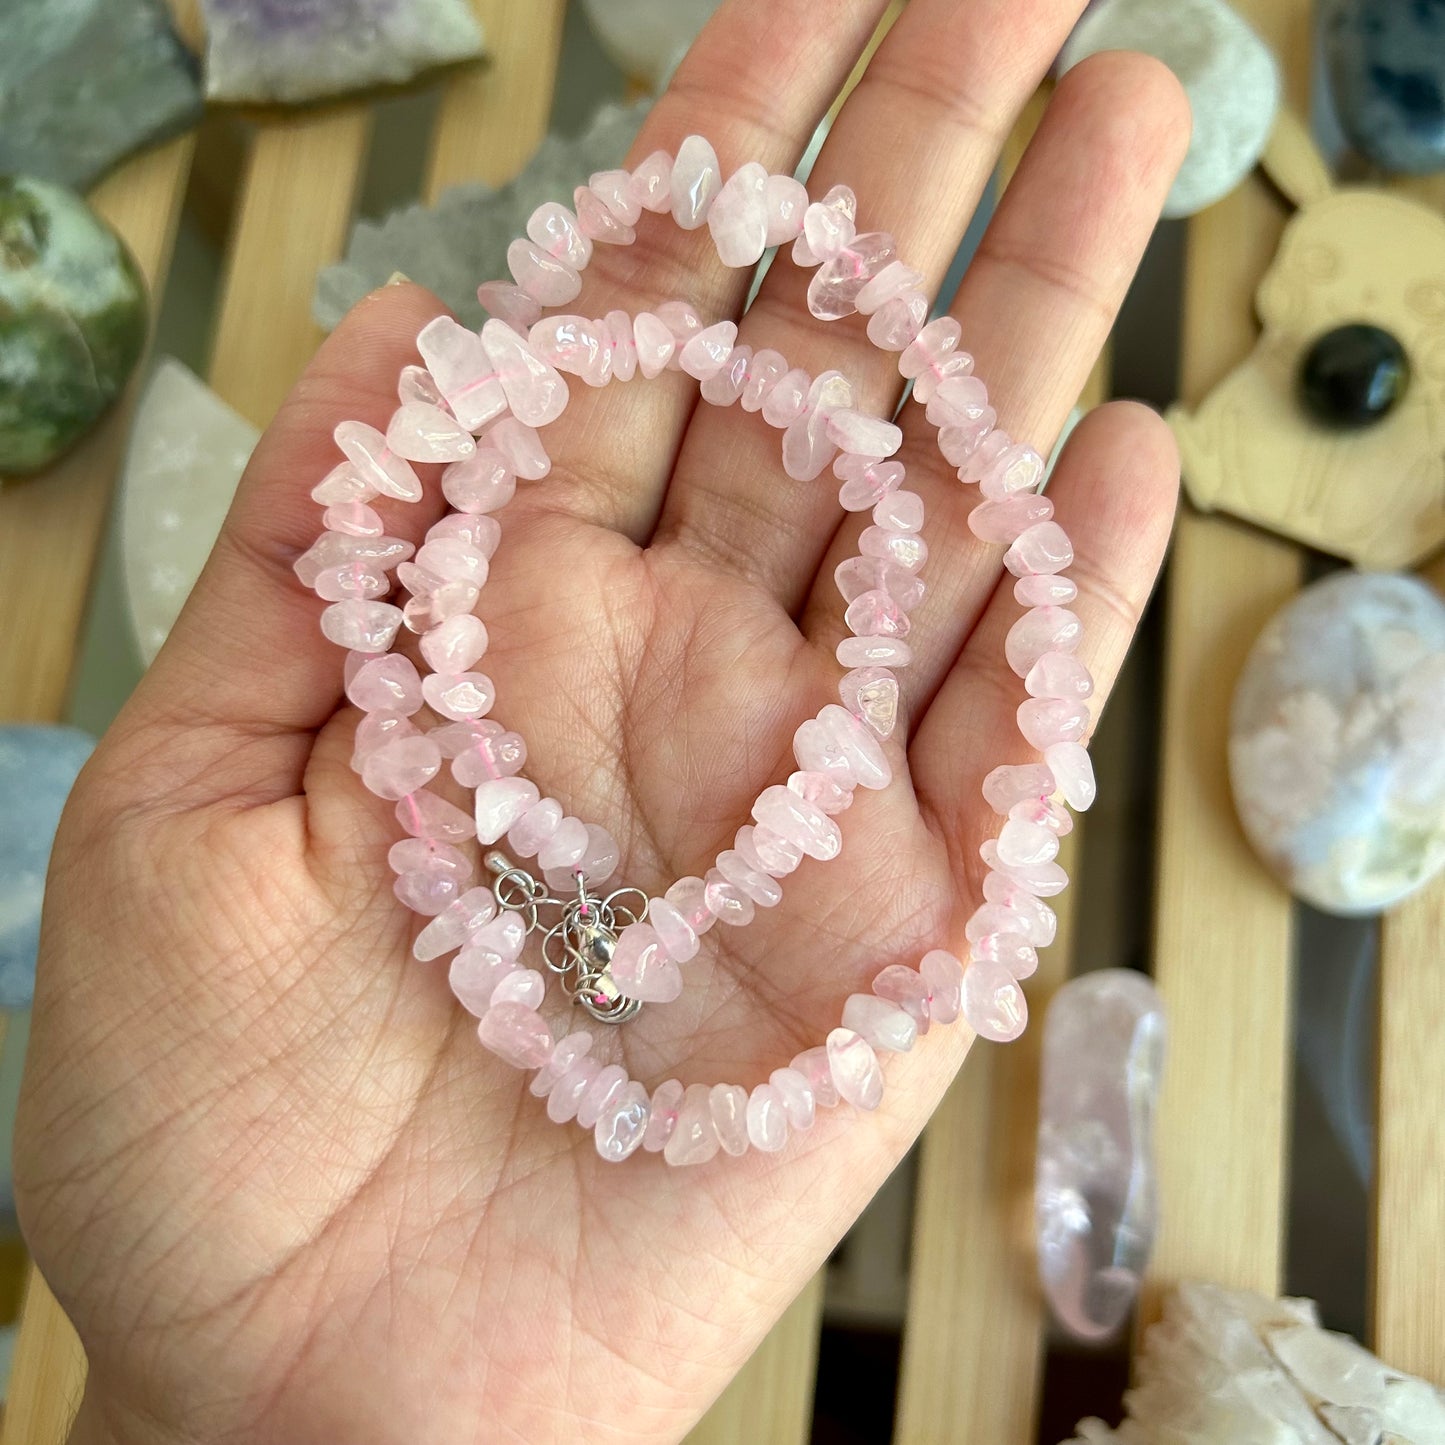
x,y
622,1125
863,574
385,683
738,216
614,189
1043,880
706,353
426,892
1019,469
508,302
597,221
1011,783
374,729
807,445
1059,674
695,181
897,322
678,937
766,1120
782,810
342,484
874,652
522,985
516,1034
932,344
534,827
1022,842
862,435
355,519
726,901
480,484
421,432
855,1069
763,375
520,447
666,1099
610,1080
554,229
787,397
872,694
729,1105
1006,520
689,896
907,549
882,1023
894,280
821,791
460,696
795,1094
566,1094
761,887
907,988
784,202
694,1138
500,802
641,968
1044,721
1045,547
1071,766
1042,589
424,815
408,855
452,928
655,344
899,512
535,391
828,226
1041,630
726,386
833,290
546,279
813,1065
367,450
993,1003
867,482
504,935
575,345
454,645
474,975
1012,950
1046,812
597,864
400,766
565,846
860,748
651,183
766,850
943,974
566,1053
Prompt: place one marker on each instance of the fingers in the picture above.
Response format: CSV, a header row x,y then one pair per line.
x,y
917,141
246,675
1115,490
1036,306
755,83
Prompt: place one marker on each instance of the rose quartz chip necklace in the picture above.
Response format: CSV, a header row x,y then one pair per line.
x,y
476,406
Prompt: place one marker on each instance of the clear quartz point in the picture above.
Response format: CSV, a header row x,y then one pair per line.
x,y
1094,1191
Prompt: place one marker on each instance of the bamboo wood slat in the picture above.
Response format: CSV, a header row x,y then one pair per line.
x,y
1223,929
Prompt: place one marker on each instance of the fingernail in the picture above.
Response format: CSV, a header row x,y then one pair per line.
x,y
398,278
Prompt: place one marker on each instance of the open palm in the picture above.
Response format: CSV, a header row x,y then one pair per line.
x,y
262,1160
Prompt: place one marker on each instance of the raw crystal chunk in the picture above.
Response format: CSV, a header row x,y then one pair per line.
x,y
258,50
1226,1366
1094,1192
85,82
1337,741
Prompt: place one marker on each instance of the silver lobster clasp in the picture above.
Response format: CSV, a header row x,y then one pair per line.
x,y
579,946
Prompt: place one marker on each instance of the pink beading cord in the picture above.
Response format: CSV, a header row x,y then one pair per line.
x,y
476,406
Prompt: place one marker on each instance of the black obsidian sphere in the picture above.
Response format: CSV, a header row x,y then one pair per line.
x,y
1353,375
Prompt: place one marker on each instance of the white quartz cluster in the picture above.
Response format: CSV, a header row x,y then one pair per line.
x,y
1227,1367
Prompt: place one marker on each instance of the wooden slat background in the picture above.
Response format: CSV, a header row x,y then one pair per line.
x,y
974,1328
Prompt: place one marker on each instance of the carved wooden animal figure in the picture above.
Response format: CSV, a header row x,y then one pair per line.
x,y
1369,485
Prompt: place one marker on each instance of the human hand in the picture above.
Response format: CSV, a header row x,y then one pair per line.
x,y
261,1159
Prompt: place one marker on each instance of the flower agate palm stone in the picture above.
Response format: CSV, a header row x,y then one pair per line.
x,y
72,321
38,765
1228,1367
1337,741
85,82
298,50
1094,1193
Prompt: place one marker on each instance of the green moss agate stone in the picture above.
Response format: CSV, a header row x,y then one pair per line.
x,y
72,321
